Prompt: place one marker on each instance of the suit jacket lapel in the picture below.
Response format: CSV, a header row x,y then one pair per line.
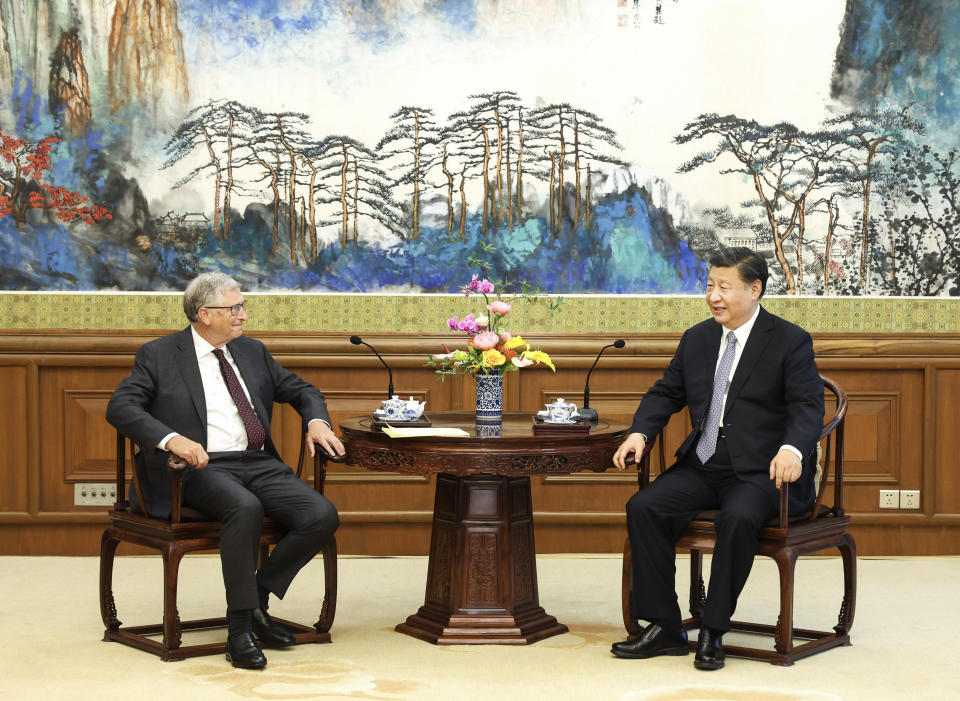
x,y
190,371
759,337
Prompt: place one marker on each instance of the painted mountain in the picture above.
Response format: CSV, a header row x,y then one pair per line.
x,y
325,146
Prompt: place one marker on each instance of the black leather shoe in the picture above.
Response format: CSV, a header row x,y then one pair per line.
x,y
710,654
243,652
655,640
268,632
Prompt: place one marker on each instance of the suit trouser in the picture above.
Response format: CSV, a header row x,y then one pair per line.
x,y
239,489
658,515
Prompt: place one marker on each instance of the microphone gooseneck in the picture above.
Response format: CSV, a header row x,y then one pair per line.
x,y
585,411
357,341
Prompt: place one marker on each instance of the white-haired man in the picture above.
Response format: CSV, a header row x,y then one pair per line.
x,y
206,394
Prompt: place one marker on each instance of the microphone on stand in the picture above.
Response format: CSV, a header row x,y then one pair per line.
x,y
585,411
357,341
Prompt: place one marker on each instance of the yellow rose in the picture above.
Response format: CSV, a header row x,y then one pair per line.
x,y
493,358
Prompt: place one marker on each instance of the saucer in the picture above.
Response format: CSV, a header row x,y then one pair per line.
x,y
383,416
561,421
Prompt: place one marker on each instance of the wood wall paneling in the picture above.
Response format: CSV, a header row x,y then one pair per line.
x,y
944,491
902,434
77,444
15,446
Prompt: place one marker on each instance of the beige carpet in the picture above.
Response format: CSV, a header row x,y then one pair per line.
x,y
50,645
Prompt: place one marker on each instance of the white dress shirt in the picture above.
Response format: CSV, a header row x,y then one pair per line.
x,y
742,333
225,430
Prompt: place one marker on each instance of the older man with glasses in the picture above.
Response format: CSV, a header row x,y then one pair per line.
x,y
206,394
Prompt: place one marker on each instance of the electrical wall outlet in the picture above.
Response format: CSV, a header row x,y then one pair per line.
x,y
94,493
889,499
909,498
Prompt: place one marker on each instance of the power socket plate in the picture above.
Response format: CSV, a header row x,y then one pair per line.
x,y
909,498
889,498
94,493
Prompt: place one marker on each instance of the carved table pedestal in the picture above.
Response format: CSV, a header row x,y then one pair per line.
x,y
482,572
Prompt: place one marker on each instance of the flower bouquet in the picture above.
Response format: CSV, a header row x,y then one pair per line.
x,y
491,349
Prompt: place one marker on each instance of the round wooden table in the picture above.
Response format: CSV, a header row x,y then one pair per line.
x,y
482,573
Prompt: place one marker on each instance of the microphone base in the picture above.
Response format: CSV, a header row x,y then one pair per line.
x,y
589,414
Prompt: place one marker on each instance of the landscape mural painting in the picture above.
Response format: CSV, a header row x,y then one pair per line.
x,y
588,146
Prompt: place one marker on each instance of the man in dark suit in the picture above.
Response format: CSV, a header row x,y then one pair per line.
x,y
206,394
750,383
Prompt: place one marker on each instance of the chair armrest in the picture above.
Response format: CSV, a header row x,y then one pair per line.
x,y
176,466
643,462
175,463
320,460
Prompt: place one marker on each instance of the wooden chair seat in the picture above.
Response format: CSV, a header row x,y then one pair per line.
x,y
783,539
187,531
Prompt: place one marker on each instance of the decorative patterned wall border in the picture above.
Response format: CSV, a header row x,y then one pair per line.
x,y
428,313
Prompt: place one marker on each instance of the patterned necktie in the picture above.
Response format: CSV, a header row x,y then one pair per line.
x,y
711,429
255,433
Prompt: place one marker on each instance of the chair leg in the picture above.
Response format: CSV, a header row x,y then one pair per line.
x,y
848,551
108,607
263,554
786,563
629,622
172,555
698,593
329,609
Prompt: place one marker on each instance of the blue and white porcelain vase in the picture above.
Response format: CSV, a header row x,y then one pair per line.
x,y
489,399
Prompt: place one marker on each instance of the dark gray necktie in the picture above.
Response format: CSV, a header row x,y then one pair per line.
x,y
711,429
255,433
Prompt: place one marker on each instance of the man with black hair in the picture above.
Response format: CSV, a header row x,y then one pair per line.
x,y
750,383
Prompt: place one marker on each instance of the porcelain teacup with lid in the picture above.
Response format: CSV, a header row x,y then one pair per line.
x,y
561,412
397,409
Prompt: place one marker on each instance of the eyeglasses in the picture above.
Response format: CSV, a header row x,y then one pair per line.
x,y
234,308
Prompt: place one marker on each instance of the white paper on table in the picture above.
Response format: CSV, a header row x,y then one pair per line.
x,y
413,432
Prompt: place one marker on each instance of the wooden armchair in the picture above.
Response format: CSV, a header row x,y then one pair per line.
x,y
189,531
783,539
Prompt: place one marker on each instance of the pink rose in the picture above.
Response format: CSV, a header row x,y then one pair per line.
x,y
499,307
485,340
506,336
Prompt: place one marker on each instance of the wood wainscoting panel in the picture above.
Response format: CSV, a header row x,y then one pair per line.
x,y
902,433
78,444
89,451
944,491
873,417
15,447
884,439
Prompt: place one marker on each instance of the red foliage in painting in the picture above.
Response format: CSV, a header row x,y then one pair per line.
x,y
39,159
69,205
31,160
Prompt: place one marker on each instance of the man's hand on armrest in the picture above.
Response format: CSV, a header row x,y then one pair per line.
x,y
785,467
634,444
318,431
189,450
